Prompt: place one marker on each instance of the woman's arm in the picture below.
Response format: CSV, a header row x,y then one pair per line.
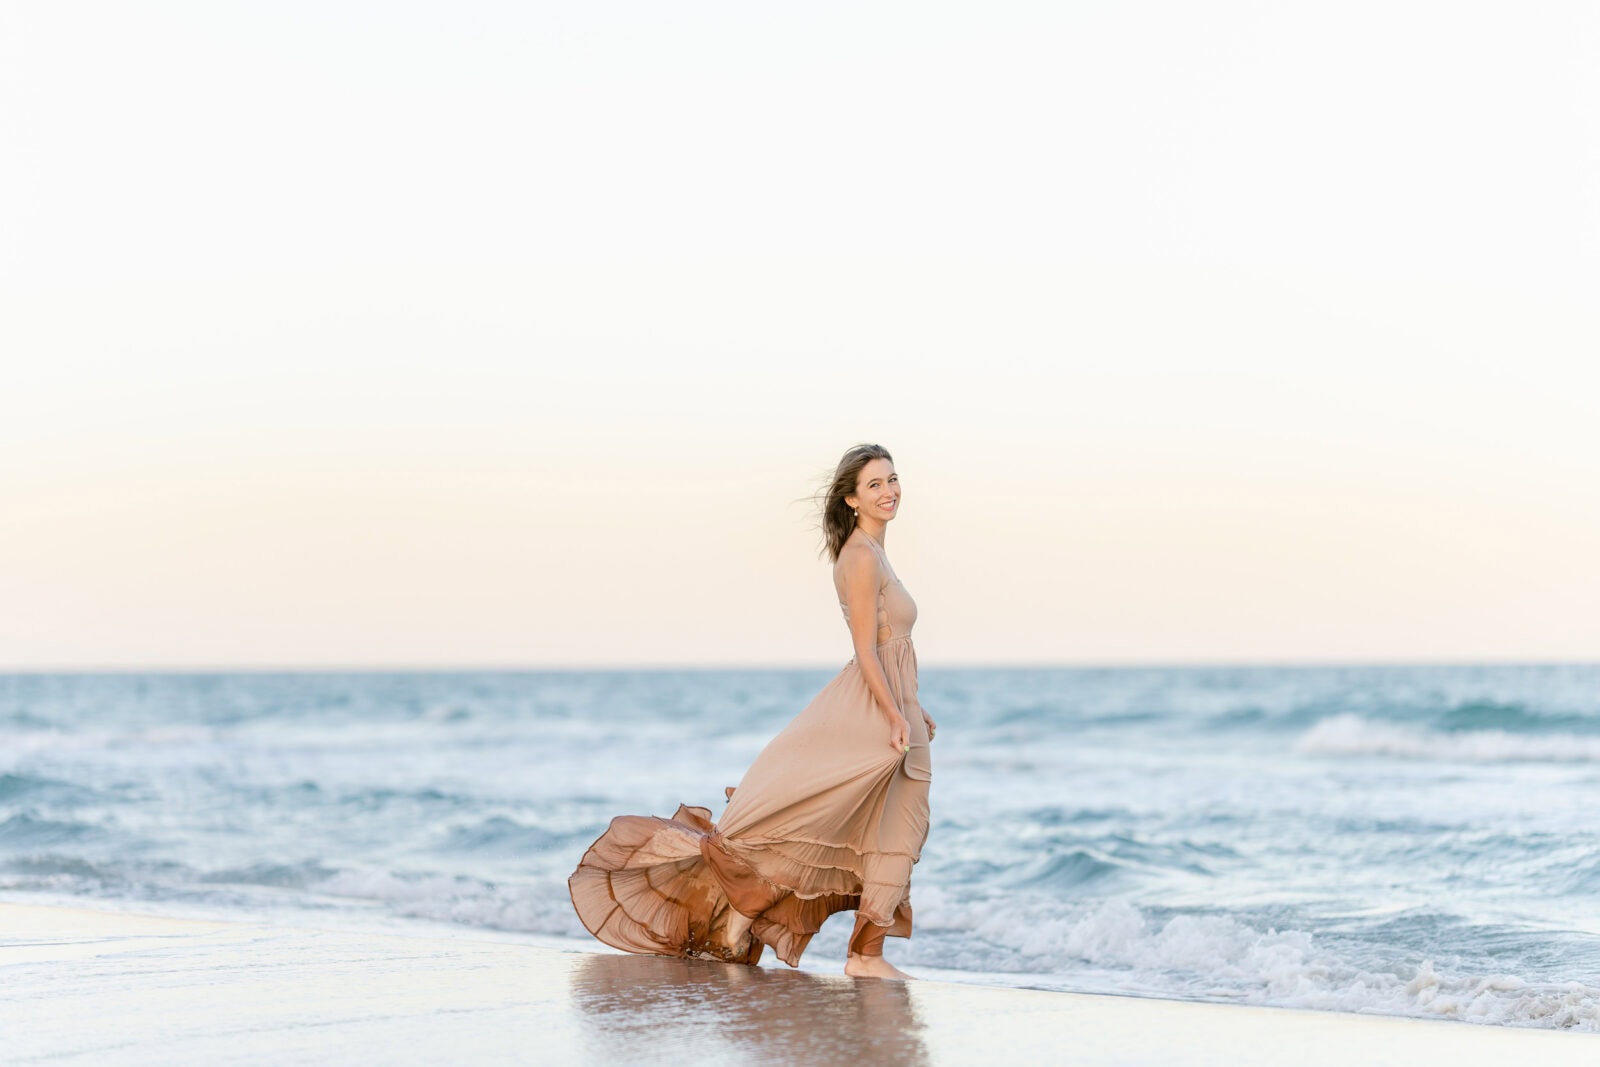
x,y
861,584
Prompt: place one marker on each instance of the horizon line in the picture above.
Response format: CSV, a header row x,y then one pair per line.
x,y
571,668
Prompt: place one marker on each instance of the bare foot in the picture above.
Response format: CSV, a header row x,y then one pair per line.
x,y
873,967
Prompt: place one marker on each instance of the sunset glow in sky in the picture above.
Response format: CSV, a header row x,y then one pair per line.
x,y
481,334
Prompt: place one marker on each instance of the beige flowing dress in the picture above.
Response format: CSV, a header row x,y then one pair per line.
x,y
830,817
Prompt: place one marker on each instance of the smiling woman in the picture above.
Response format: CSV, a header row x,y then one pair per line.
x,y
831,816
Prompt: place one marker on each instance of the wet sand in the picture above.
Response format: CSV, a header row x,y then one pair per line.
x,y
86,986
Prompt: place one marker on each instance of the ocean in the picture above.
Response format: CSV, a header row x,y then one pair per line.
x,y
1418,841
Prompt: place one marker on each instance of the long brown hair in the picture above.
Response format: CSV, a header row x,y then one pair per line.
x,y
838,522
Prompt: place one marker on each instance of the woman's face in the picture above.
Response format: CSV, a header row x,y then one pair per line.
x,y
877,491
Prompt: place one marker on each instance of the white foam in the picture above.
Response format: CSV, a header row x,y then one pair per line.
x,y
457,899
1353,735
1115,947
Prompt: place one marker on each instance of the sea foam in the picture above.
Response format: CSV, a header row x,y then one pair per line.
x,y
1116,947
1353,735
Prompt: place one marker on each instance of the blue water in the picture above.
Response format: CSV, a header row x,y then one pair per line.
x,y
1415,841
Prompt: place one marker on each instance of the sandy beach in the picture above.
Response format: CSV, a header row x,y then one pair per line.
x,y
98,986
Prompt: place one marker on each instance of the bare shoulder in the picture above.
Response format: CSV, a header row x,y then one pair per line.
x,y
856,563
855,558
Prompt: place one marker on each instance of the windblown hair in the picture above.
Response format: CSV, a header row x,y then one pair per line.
x,y
838,522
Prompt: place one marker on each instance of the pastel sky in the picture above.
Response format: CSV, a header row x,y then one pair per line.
x,y
508,334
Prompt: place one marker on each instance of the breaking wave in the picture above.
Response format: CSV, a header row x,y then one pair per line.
x,y
1116,947
1353,735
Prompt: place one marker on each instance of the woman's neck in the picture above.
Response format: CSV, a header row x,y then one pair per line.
x,y
876,535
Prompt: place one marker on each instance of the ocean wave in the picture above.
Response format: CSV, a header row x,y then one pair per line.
x,y
1063,815
1513,717
500,834
28,830
1582,879
1068,860
39,788
1027,713
1116,947
275,875
59,872
375,799
1066,871
1353,735
54,871
526,908
26,720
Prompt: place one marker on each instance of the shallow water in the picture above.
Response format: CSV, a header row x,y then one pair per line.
x,y
1415,841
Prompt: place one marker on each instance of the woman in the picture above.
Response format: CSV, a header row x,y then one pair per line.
x,y
832,814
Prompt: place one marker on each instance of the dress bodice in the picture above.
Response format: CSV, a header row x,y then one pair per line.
x,y
897,612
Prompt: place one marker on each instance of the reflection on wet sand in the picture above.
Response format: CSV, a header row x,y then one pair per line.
x,y
649,1008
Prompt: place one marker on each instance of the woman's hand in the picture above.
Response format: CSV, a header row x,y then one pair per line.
x,y
899,732
931,725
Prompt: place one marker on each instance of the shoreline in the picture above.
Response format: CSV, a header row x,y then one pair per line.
x,y
164,989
